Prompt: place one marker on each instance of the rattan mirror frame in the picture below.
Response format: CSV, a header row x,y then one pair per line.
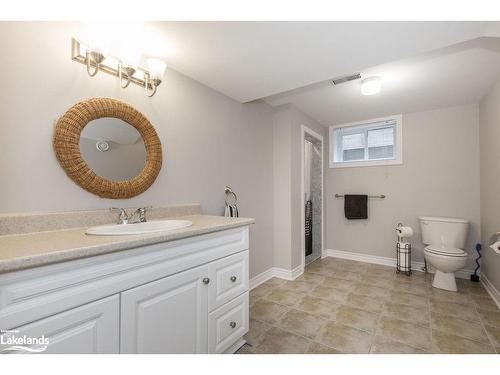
x,y
66,143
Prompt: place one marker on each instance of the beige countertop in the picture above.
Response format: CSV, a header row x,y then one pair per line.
x,y
20,251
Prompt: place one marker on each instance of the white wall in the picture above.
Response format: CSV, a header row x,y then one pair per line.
x,y
208,139
439,177
489,130
287,184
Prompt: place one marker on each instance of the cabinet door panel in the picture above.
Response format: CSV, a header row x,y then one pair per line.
x,y
88,329
166,316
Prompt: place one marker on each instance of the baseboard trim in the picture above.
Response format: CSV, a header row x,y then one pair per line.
x,y
490,288
280,273
386,261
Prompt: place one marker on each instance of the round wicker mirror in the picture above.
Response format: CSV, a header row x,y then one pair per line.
x,y
66,144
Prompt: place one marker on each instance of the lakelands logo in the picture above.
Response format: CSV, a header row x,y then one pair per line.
x,y
10,341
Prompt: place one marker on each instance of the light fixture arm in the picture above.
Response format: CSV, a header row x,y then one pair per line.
x,y
148,82
89,65
126,71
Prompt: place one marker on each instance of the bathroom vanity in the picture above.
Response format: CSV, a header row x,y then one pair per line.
x,y
184,291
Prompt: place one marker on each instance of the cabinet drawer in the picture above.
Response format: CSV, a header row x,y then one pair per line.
x,y
228,324
230,279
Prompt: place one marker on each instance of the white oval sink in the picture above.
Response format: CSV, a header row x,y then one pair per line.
x,y
139,228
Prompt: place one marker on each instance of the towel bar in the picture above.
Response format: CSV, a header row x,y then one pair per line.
x,y
381,196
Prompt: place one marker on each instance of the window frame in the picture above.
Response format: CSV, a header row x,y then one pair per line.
x,y
398,143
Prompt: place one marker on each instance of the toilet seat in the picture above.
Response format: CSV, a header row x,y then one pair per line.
x,y
445,251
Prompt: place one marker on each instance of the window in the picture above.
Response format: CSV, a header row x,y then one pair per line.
x,y
372,142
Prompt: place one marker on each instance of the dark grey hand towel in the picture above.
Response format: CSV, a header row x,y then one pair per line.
x,y
356,206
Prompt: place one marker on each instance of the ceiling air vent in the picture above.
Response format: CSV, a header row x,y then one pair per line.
x,y
352,77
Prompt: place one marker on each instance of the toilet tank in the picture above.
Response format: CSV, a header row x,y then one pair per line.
x,y
444,231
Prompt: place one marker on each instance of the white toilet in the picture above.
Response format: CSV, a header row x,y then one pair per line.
x,y
445,238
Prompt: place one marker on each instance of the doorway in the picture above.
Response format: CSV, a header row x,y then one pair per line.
x,y
312,195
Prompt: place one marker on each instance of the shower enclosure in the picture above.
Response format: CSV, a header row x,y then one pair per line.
x,y
313,185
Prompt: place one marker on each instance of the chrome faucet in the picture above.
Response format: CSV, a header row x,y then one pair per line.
x,y
138,216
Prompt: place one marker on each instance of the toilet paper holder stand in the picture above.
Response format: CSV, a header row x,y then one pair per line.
x,y
403,255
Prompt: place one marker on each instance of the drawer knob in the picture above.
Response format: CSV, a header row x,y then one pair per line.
x,y
232,324
233,278
206,280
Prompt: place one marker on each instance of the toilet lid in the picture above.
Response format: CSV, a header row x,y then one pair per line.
x,y
443,250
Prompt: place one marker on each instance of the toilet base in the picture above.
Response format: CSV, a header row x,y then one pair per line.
x,y
445,281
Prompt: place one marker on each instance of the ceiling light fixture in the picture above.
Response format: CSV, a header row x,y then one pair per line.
x,y
371,85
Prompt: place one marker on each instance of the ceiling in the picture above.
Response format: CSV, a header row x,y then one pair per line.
x,y
450,76
252,60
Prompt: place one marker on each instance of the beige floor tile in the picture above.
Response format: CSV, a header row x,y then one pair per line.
x,y
387,283
349,307
252,299
301,323
358,267
455,310
320,270
407,313
268,312
494,335
262,290
317,348
318,306
484,302
459,327
445,296
330,294
408,299
491,318
256,332
416,289
451,344
357,318
371,266
367,303
412,334
345,339
298,286
477,289
333,282
371,291
284,296
275,281
383,345
416,278
346,275
386,274
278,341
310,278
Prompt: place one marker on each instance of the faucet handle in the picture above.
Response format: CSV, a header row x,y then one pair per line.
x,y
124,217
141,211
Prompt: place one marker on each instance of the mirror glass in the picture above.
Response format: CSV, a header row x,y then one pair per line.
x,y
113,149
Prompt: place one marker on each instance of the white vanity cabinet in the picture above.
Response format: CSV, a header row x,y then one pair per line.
x,y
184,296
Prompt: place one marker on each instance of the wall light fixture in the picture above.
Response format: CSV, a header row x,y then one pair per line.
x,y
125,68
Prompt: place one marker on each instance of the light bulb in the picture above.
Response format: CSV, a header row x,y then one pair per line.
x,y
156,68
131,57
371,85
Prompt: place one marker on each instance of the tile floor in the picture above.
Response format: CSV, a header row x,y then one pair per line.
x,y
342,306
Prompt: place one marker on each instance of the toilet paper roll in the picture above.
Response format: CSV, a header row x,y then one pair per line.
x,y
404,232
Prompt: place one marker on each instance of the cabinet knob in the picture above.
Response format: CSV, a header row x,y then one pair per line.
x,y
206,280
233,278
232,324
